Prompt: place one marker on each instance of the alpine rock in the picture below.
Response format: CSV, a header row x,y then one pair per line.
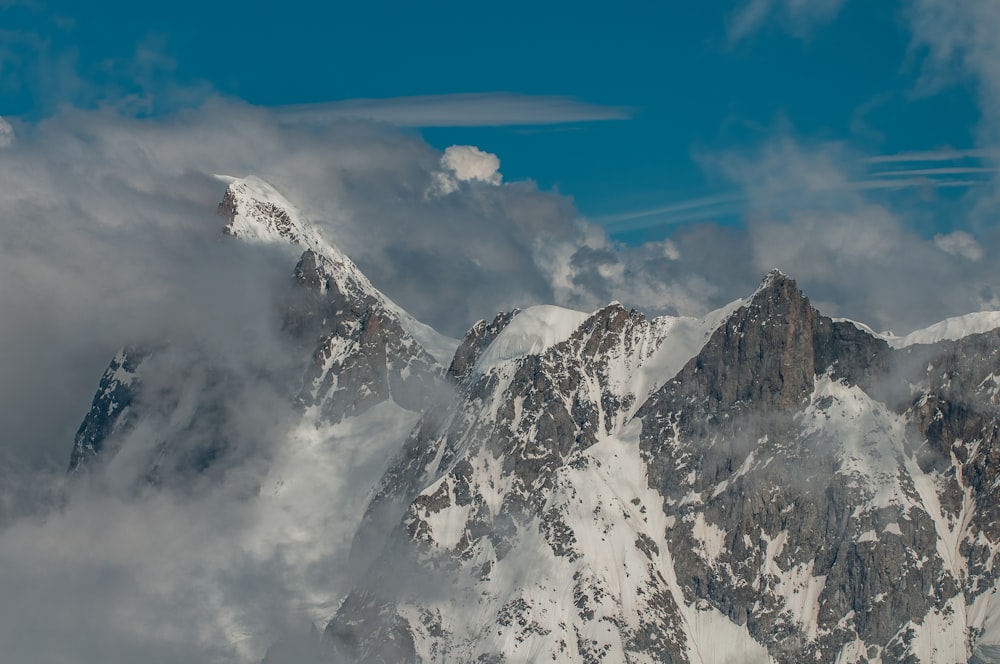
x,y
763,484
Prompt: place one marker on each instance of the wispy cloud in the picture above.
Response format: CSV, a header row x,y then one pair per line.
x,y
933,155
931,168
88,189
916,182
958,40
953,170
867,178
487,109
955,43
695,209
797,16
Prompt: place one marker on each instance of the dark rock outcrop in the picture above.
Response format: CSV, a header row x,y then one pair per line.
x,y
109,414
476,340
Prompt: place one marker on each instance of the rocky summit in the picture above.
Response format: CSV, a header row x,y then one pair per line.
x,y
763,484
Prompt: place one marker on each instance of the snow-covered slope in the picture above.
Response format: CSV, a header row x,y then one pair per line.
x,y
303,439
257,212
766,484
950,329
511,478
315,468
531,332
352,347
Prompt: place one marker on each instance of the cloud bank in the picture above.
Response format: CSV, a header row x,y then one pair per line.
x,y
108,236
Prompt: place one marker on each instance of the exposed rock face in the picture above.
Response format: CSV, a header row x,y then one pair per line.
x,y
765,484
476,341
109,414
239,201
956,414
364,356
357,347
484,488
795,491
762,358
758,468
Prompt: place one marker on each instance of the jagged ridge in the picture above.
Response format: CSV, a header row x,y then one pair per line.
x,y
764,484
795,492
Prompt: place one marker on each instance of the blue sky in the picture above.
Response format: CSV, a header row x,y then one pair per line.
x,y
682,82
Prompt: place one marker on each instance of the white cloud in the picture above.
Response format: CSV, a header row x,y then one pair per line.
x,y
851,246
486,109
797,16
466,163
116,240
108,235
960,39
785,175
932,156
6,133
958,44
670,251
950,170
960,243
706,208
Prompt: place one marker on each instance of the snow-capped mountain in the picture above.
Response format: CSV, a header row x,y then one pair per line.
x,y
764,484
257,213
302,433
359,348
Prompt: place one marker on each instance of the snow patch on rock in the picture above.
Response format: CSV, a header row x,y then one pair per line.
x,y
531,332
950,329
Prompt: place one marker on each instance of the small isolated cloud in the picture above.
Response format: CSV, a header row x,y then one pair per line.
x,y
487,109
960,244
6,133
466,163
797,16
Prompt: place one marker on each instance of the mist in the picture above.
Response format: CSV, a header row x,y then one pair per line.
x,y
109,236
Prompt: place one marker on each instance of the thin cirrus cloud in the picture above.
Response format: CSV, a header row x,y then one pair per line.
x,y
799,17
933,156
916,182
695,209
951,170
916,173
487,109
933,168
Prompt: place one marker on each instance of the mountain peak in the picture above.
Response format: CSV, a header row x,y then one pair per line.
x,y
531,332
778,292
259,213
775,279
